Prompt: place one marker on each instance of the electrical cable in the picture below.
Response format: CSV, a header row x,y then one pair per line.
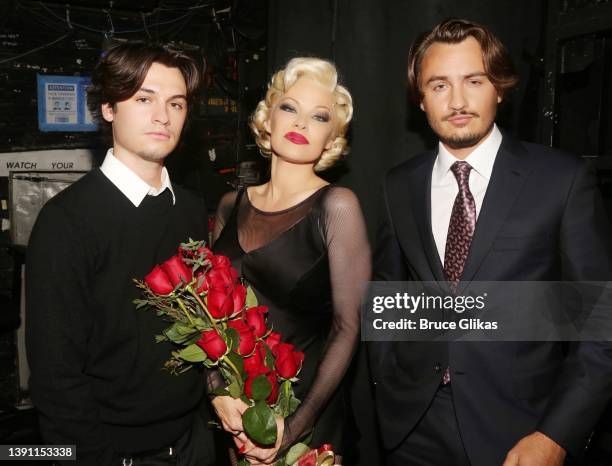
x,y
144,23
126,31
194,7
78,25
17,57
110,20
71,25
68,16
42,19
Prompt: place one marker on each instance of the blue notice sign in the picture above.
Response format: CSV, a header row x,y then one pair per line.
x,y
62,104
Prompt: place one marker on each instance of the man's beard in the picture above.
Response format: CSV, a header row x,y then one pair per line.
x,y
152,155
466,141
463,142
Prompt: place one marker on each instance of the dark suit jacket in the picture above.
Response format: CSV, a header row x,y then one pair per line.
x,y
542,218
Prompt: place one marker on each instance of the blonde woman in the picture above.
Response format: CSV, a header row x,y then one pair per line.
x,y
302,244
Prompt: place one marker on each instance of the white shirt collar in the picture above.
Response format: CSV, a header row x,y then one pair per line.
x,y
129,183
481,159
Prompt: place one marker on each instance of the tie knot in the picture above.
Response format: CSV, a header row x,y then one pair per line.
x,y
461,170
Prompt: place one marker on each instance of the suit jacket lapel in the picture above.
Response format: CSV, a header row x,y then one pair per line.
x,y
420,187
509,174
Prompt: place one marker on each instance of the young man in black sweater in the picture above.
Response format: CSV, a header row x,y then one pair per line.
x,y
97,372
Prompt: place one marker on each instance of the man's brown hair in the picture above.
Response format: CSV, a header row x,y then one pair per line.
x,y
123,68
497,62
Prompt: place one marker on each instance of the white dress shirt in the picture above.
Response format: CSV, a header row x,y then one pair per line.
x,y
444,187
129,183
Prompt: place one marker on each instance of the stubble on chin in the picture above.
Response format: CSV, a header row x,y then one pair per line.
x,y
153,155
464,141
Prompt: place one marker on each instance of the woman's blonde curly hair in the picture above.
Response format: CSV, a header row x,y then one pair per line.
x,y
324,73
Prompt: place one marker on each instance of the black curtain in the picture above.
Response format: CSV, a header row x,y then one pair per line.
x,y
369,41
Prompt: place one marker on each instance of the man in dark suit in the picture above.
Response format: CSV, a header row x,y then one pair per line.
x,y
486,207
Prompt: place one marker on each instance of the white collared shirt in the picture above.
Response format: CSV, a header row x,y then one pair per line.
x,y
444,187
129,183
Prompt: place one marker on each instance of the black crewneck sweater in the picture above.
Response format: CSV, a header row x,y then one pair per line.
x,y
97,374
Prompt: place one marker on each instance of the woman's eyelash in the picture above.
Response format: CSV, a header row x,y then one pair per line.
x,y
287,108
322,117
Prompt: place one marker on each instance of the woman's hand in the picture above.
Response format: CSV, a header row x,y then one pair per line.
x,y
258,456
229,410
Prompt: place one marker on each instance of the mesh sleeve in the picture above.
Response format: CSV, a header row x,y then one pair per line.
x,y
350,268
224,209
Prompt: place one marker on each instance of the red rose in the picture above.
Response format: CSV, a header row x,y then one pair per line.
x,y
215,278
271,376
247,338
274,393
223,263
255,362
220,278
255,317
212,344
220,303
158,281
288,362
219,262
178,272
239,297
204,253
272,340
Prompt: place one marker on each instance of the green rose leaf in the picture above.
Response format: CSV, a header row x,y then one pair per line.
x,y
260,424
234,389
172,334
192,353
219,392
233,337
199,281
236,360
282,404
140,303
183,329
200,324
261,388
269,359
193,339
179,333
296,452
293,403
251,299
287,403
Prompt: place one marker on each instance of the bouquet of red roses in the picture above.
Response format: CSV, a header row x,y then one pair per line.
x,y
216,321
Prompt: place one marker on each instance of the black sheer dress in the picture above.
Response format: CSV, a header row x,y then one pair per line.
x,y
309,264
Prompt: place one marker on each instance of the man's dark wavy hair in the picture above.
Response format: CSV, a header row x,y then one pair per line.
x,y
497,62
123,68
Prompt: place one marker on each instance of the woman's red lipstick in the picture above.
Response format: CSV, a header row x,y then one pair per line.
x,y
296,138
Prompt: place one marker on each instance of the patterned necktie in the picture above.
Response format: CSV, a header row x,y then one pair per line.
x,y
460,232
461,226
